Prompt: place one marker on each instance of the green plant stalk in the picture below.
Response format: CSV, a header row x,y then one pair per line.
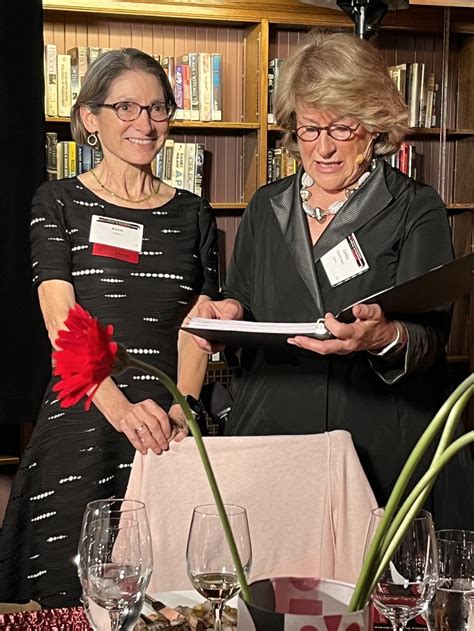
x,y
426,481
196,432
373,554
415,497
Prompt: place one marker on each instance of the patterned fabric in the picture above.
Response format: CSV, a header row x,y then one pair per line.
x,y
75,456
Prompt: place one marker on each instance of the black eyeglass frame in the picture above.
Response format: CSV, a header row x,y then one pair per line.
x,y
318,130
148,108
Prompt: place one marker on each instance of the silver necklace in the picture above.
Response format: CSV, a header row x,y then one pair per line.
x,y
320,214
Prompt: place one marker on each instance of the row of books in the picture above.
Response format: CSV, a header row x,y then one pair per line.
x,y
65,158
63,74
274,67
420,90
280,164
196,79
405,159
179,164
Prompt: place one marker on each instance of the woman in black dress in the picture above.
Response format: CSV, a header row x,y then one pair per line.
x,y
140,255
345,226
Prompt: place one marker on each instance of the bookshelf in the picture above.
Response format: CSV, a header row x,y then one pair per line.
x,y
249,34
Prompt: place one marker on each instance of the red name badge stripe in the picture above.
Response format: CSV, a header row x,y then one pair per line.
x,y
99,249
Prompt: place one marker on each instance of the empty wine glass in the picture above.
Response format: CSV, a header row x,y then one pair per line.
x,y
115,562
409,580
209,561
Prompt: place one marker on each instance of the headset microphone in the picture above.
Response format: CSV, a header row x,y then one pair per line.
x,y
359,158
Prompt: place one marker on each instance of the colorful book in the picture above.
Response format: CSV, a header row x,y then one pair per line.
x,y
216,101
194,85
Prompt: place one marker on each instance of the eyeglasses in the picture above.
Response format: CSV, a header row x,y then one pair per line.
x,y
129,111
308,133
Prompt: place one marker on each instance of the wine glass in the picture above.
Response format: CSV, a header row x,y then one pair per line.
x,y
209,561
452,606
409,580
115,562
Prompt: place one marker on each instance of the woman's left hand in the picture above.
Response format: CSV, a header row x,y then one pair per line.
x,y
370,331
179,423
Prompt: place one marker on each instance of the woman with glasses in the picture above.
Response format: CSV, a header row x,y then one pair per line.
x,y
140,255
345,226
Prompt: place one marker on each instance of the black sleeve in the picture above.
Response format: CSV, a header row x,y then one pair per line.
x,y
427,244
50,243
208,252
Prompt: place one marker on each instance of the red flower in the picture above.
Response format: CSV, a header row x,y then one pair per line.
x,y
86,357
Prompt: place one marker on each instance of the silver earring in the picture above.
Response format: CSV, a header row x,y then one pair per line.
x,y
92,139
306,180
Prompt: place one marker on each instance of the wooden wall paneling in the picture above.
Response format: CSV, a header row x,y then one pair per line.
x,y
227,226
250,165
459,342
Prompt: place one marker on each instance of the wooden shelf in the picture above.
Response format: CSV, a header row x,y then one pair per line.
x,y
436,131
228,205
184,124
458,207
8,460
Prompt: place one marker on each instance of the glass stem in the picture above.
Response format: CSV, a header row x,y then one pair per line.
x,y
115,620
398,625
218,608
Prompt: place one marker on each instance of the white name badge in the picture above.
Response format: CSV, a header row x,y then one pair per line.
x,y
344,261
126,235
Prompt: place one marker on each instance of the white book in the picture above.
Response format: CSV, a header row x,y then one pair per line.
x,y
50,80
189,166
177,177
194,85
204,71
64,85
413,96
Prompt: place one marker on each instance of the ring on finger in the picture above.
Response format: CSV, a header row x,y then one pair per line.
x,y
141,428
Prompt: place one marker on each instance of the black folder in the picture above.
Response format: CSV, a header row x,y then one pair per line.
x,y
439,286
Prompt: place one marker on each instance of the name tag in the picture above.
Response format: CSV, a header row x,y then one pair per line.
x,y
344,261
116,238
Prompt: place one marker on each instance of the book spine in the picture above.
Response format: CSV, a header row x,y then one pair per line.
x,y
168,161
51,155
189,166
72,158
216,110
86,158
92,53
186,87
205,87
271,85
199,169
51,80
194,85
79,165
75,83
270,166
64,85
60,160
97,156
178,165
178,93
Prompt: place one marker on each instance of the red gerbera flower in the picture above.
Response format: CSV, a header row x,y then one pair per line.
x,y
86,357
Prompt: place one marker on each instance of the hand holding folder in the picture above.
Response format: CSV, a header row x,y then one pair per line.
x,y
439,286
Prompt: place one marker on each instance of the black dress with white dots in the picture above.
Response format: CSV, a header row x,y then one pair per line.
x,y
75,456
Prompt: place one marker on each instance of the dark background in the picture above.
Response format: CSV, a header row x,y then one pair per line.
x,y
24,345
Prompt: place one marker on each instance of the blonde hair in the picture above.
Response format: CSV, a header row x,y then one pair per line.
x,y
341,73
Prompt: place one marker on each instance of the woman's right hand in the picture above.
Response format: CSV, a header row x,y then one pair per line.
x,y
146,425
228,309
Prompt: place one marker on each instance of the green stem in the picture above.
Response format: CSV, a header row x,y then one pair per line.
x,y
426,481
361,591
196,432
